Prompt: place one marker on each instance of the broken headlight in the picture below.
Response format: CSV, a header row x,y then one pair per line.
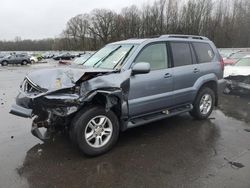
x,y
64,111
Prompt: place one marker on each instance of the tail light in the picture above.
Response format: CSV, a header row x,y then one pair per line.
x,y
222,64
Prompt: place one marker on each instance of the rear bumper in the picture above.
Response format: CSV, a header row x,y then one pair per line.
x,y
21,111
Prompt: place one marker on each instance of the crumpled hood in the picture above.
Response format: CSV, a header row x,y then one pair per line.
x,y
60,78
236,71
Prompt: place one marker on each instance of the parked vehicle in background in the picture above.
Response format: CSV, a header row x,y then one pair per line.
x,y
15,59
48,55
123,85
237,56
77,60
231,56
64,56
226,53
37,55
76,54
82,59
238,76
65,62
33,59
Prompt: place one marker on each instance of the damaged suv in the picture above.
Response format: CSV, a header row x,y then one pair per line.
x,y
123,85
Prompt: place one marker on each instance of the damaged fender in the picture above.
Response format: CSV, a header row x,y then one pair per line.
x,y
114,88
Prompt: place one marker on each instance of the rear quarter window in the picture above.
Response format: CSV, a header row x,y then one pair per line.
x,y
204,52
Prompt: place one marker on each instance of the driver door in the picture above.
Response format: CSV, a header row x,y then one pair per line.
x,y
12,59
152,91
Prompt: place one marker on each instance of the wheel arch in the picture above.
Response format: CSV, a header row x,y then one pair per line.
x,y
4,61
111,100
213,85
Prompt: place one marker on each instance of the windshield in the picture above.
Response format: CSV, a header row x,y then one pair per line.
x,y
109,57
243,62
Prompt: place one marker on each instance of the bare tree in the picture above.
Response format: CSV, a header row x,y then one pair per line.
x,y
226,22
103,22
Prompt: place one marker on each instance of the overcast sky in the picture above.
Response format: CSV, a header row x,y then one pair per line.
x,y
37,19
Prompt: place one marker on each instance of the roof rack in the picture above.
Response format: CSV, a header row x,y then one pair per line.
x,y
184,36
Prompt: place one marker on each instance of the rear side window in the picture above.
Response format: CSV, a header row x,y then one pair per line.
x,y
181,54
204,52
155,55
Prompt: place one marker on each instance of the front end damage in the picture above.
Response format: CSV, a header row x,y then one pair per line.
x,y
237,84
52,97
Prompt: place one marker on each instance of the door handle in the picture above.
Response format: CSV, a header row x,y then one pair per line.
x,y
196,70
167,75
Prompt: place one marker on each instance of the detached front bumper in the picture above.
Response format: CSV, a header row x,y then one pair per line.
x,y
21,111
27,113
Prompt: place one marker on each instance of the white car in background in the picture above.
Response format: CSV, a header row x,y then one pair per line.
x,y
238,76
33,59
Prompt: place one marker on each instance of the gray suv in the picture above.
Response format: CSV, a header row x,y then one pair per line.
x,y
15,59
123,85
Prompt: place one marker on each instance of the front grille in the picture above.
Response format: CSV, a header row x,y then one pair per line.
x,y
29,88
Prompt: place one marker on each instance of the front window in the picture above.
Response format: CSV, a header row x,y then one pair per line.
x,y
109,57
155,55
243,62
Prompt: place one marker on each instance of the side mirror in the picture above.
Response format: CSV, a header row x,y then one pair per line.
x,y
141,68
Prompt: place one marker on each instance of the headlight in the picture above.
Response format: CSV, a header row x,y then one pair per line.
x,y
64,111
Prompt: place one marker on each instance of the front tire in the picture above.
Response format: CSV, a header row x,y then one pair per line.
x,y
203,104
4,63
95,131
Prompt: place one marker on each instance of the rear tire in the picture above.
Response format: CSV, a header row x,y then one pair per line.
x,y
94,130
203,104
24,62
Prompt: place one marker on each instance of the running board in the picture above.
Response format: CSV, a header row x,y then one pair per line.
x,y
159,115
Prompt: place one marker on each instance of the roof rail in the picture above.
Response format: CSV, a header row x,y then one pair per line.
x,y
184,36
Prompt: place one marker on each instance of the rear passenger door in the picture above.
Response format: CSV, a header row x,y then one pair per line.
x,y
185,71
152,91
19,58
207,60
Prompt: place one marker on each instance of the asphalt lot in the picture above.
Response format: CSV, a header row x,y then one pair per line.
x,y
176,152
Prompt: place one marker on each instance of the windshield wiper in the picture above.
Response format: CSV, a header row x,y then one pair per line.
x,y
105,57
120,62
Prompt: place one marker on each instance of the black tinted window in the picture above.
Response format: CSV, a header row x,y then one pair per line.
x,y
204,52
155,54
181,54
